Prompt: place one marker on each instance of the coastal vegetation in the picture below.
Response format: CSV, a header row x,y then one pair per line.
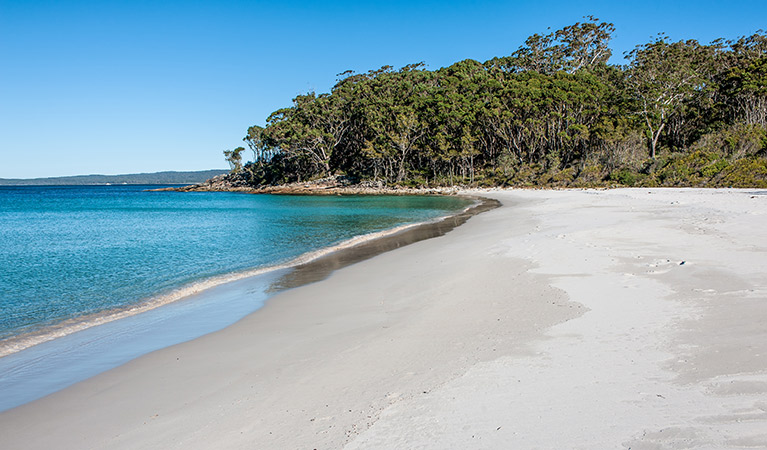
x,y
553,113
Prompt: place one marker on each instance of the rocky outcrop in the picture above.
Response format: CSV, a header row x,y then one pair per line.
x,y
336,185
228,182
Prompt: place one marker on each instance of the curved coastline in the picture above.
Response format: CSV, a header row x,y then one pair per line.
x,y
306,268
550,312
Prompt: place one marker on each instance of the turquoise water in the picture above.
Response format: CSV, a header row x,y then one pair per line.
x,y
71,252
73,257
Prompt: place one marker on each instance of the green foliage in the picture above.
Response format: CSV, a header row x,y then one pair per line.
x,y
573,48
694,169
669,81
743,173
553,113
738,140
624,177
234,158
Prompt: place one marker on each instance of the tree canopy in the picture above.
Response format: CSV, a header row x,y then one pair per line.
x,y
552,112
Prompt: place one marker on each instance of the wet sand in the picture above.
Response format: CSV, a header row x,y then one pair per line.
x,y
85,347
564,319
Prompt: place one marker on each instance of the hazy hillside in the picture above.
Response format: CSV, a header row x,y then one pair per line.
x,y
136,178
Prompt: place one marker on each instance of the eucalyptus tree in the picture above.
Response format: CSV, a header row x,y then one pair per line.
x,y
554,104
749,48
665,76
310,130
455,135
261,152
391,103
308,134
570,49
746,88
234,158
744,80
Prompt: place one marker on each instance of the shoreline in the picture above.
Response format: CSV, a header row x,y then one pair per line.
x,y
335,185
304,269
20,342
582,319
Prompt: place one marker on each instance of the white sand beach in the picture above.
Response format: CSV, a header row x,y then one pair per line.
x,y
589,319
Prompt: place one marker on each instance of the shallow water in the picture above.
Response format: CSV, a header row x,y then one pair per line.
x,y
53,365
73,257
71,252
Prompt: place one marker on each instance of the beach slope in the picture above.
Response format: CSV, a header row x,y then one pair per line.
x,y
630,318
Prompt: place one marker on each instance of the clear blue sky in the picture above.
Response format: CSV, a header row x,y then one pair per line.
x,y
143,86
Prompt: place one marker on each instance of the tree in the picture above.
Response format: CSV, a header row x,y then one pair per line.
x,y
262,153
390,104
311,129
455,136
746,88
664,76
744,80
234,158
554,110
573,48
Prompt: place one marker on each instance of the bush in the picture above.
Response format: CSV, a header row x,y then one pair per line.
x,y
691,169
624,177
744,173
735,141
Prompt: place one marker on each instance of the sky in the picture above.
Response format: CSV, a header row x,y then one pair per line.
x,y
114,87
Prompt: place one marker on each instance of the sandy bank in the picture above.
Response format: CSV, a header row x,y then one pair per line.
x,y
565,319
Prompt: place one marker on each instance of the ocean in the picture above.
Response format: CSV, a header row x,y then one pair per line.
x,y
170,266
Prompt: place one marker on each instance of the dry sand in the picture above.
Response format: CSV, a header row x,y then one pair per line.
x,y
564,319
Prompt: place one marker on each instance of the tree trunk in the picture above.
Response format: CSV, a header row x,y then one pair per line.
x,y
654,141
401,170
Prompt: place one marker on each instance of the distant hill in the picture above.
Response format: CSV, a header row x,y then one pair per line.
x,y
135,178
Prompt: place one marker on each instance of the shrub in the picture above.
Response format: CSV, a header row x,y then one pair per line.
x,y
624,177
735,141
746,172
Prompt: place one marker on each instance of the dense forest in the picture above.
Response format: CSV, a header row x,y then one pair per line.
x,y
553,113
